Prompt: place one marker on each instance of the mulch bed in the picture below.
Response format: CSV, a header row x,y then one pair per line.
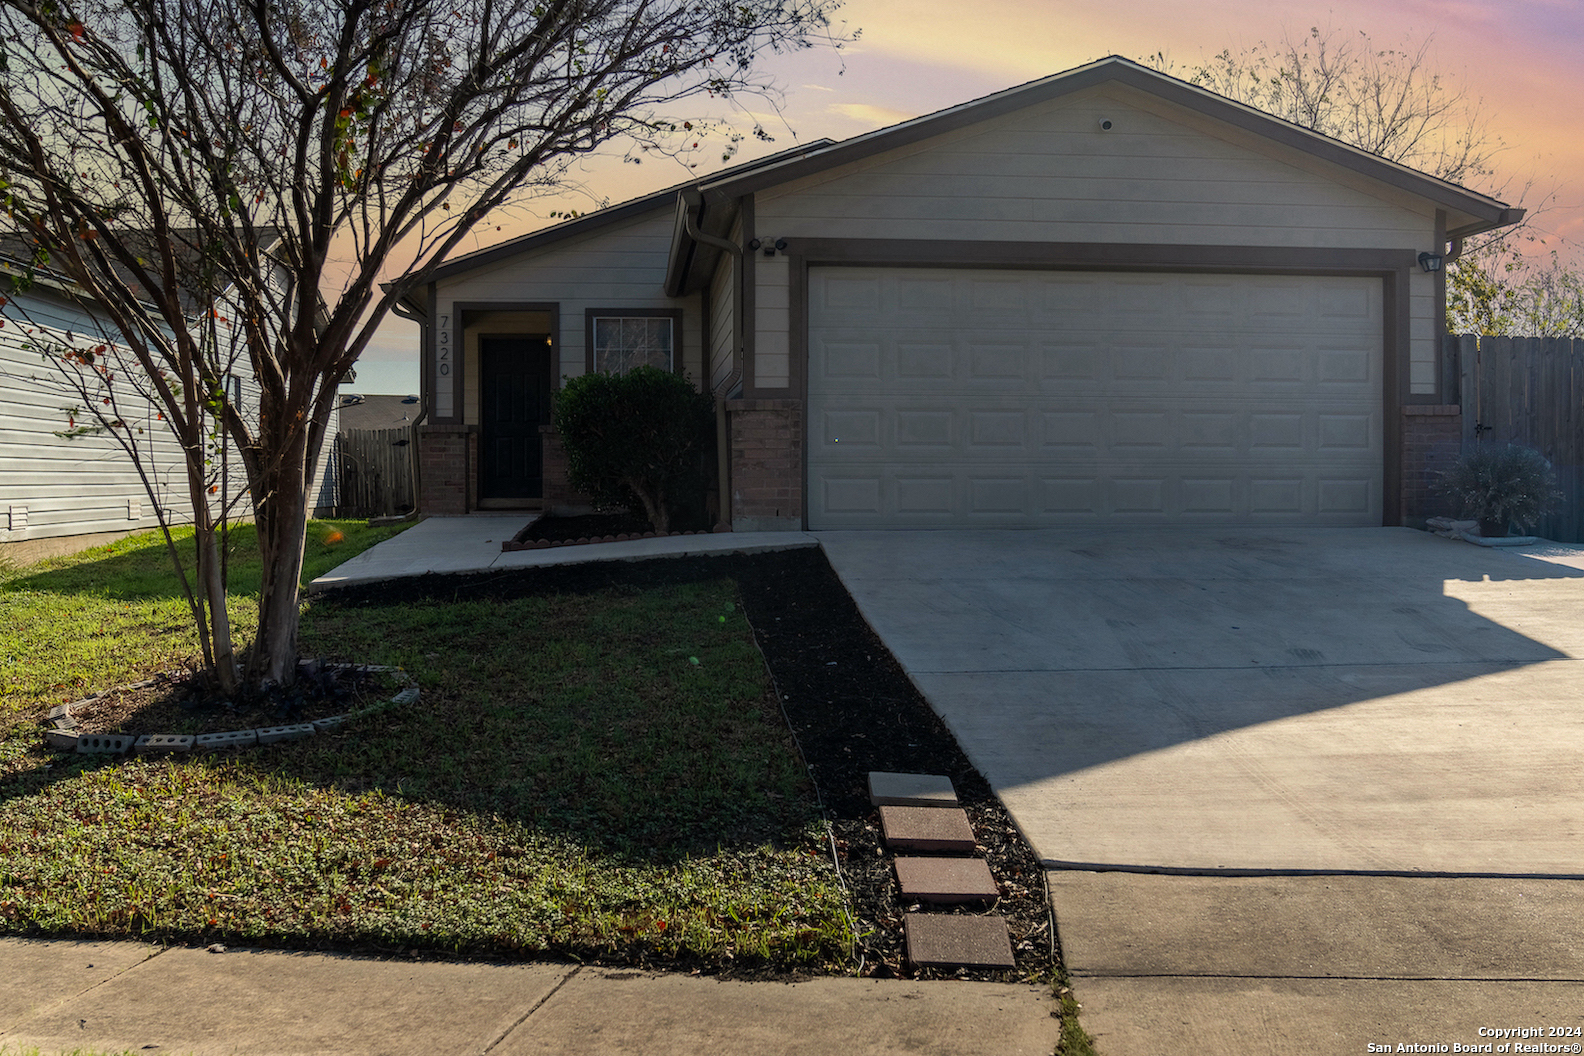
x,y
587,526
852,709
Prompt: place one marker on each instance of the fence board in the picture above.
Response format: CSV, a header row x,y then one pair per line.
x,y
1529,391
376,472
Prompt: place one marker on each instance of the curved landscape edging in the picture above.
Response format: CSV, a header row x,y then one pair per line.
x,y
62,733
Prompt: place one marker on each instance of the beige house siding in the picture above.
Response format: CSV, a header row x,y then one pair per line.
x,y
772,322
620,266
1422,331
1050,174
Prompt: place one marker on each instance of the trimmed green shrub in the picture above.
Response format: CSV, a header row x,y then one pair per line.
x,y
1500,485
640,440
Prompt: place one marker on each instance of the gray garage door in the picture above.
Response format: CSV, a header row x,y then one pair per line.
x,y
954,398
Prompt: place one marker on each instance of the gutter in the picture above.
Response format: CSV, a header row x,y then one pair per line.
x,y
1506,218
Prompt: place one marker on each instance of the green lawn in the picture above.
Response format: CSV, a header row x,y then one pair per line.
x,y
597,775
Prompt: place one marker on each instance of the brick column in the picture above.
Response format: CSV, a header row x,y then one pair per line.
x,y
1432,440
443,462
766,465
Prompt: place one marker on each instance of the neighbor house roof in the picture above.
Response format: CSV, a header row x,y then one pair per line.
x,y
359,411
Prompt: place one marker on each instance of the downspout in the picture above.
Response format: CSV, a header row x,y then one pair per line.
x,y
728,383
423,409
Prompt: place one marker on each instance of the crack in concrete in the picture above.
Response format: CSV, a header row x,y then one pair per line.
x,y
537,1005
42,1010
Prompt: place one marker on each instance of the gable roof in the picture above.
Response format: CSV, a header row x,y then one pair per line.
x,y
712,202
1485,212
604,217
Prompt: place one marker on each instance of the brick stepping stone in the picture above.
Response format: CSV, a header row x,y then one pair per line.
x,y
938,940
937,829
911,790
946,879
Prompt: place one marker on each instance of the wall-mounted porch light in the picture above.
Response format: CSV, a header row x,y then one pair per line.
x,y
1431,261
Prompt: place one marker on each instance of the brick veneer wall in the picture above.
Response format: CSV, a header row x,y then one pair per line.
x,y
557,491
443,461
1432,440
766,464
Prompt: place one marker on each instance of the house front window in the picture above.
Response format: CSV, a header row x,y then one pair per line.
x,y
622,342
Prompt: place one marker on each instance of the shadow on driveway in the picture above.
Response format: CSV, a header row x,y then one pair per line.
x,y
1353,700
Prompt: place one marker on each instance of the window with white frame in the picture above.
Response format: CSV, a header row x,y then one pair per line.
x,y
622,342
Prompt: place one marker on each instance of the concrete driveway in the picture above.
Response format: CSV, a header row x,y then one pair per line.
x,y
1300,790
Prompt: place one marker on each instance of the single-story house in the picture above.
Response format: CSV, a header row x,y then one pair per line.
x,y
1104,297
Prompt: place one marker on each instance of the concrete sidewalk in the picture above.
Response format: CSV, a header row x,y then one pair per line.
x,y
115,996
453,545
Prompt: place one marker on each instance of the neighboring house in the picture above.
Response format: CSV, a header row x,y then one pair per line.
x,y
59,495
1106,297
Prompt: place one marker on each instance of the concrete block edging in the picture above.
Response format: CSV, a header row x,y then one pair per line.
x,y
61,731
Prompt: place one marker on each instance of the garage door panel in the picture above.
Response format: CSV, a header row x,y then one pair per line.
x,y
1135,430
1031,498
963,397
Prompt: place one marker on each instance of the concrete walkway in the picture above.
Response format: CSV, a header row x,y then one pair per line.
x,y
1301,791
61,996
449,545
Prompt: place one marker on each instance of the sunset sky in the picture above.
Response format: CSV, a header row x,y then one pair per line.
x,y
1519,58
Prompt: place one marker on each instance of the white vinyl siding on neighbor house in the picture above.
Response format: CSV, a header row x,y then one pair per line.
x,y
958,398
622,264
1048,173
87,485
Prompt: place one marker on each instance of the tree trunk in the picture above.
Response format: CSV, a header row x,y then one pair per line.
x,y
654,506
210,572
211,576
280,505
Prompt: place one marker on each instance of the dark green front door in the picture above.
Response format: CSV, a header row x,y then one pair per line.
x,y
514,392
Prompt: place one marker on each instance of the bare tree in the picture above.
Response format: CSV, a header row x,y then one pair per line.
x,y
266,160
1388,101
1392,102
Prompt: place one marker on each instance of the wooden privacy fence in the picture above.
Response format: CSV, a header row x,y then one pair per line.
x,y
1528,391
376,472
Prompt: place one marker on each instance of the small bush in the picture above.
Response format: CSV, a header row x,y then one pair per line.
x,y
638,440
1499,485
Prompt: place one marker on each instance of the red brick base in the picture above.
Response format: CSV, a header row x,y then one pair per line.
x,y
1432,440
557,491
766,464
443,465
448,455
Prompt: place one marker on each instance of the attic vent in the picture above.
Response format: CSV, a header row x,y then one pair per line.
x,y
18,518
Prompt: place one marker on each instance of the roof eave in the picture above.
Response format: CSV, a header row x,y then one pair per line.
x,y
1125,72
692,263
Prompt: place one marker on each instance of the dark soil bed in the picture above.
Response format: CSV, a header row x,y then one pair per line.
x,y
852,709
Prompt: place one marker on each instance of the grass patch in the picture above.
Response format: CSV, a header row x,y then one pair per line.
x,y
90,620
596,775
